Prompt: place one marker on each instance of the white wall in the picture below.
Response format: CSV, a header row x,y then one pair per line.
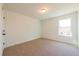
x,y
1,27
50,29
21,28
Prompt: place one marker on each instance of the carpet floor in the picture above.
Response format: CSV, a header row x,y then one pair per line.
x,y
41,47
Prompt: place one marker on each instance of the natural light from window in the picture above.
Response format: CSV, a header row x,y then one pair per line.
x,y
65,27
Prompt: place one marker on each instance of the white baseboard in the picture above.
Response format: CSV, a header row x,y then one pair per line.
x,y
60,41
19,42
38,38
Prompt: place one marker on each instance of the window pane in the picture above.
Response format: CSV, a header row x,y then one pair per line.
x,y
65,27
65,23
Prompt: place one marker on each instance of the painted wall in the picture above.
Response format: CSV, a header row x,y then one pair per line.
x,y
20,28
1,27
50,29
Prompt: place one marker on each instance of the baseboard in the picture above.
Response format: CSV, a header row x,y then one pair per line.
x,y
40,38
61,42
20,42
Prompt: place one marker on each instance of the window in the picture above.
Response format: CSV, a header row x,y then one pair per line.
x,y
65,27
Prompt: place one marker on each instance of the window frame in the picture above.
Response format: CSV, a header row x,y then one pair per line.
x,y
59,32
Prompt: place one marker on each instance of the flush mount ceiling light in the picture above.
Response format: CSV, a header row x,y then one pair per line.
x,y
44,10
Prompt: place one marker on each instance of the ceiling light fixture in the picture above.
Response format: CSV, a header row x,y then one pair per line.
x,y
43,10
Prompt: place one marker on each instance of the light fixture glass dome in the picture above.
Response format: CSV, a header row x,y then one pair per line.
x,y
44,10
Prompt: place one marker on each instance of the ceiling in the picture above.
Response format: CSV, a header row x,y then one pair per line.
x,y
32,9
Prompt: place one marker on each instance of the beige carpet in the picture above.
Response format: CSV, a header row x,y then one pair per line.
x,y
41,47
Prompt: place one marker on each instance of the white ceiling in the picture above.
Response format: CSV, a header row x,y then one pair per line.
x,y
32,9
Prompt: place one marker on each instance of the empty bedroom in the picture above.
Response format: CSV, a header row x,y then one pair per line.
x,y
39,29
